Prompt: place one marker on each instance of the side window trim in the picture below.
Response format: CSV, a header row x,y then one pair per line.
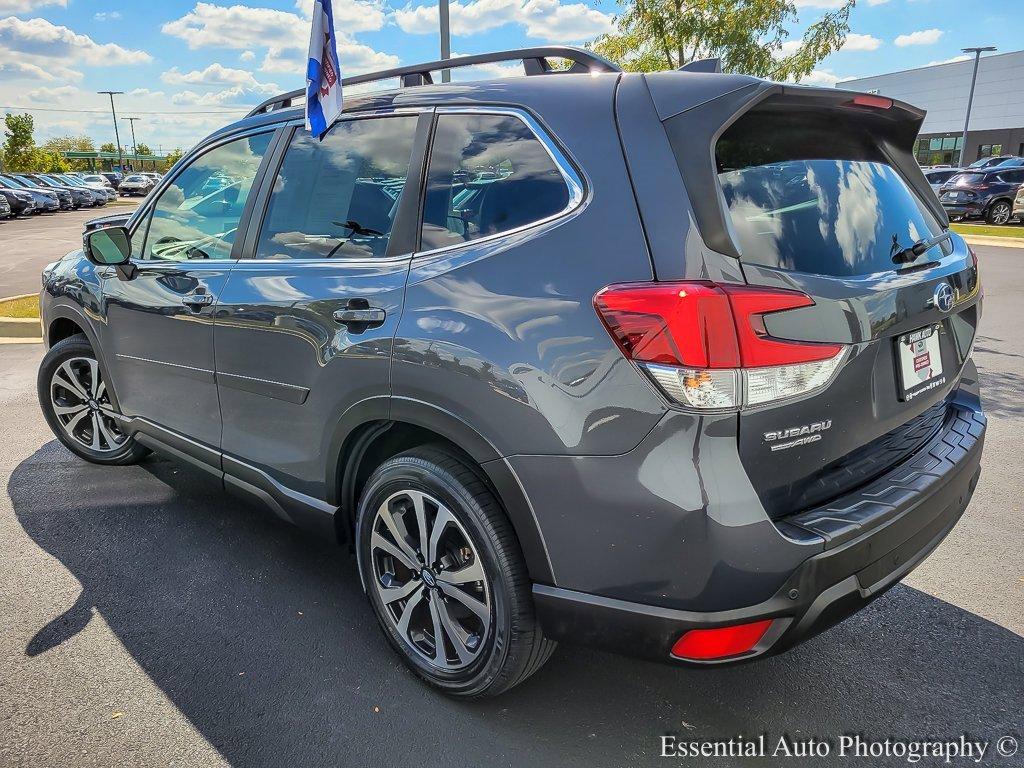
x,y
144,215
417,168
574,179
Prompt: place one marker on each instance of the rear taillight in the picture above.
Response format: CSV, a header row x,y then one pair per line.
x,y
706,345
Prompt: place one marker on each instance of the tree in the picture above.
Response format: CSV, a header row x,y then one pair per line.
x,y
748,35
143,149
19,145
60,144
48,161
108,147
172,157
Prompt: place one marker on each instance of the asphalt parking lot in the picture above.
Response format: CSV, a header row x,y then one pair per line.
x,y
27,244
146,618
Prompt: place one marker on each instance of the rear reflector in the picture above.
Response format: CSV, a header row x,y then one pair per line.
x,y
706,345
721,642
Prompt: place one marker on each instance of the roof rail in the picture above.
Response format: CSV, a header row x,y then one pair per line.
x,y
535,62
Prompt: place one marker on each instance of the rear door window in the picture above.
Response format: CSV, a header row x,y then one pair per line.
x,y
812,200
338,198
488,174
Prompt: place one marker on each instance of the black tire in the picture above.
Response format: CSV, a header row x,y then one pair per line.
x,y
999,213
514,647
71,348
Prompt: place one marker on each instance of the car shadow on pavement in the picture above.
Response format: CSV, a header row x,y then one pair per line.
x,y
263,639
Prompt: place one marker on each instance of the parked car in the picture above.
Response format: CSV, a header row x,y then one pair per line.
x,y
101,189
984,194
43,200
136,184
68,184
5,208
97,182
114,177
1011,162
938,177
79,197
1018,204
550,373
21,203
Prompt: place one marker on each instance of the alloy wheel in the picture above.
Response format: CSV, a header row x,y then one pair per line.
x,y
430,580
81,403
1001,213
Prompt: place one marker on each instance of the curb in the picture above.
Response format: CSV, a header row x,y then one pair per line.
x,y
1001,242
20,330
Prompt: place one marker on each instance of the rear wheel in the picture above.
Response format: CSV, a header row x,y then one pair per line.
x,y
445,575
78,405
999,212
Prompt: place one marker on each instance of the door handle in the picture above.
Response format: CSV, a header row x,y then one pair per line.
x,y
359,315
197,300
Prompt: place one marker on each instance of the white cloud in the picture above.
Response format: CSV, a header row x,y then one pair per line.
x,y
877,2
543,19
107,16
215,74
244,27
238,95
24,6
355,58
858,42
953,60
38,41
823,77
247,56
57,96
21,70
921,37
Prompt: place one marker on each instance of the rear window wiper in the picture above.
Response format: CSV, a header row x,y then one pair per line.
x,y
907,255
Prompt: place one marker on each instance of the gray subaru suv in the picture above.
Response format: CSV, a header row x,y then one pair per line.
x,y
673,364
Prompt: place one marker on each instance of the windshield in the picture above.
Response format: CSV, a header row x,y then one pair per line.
x,y
137,178
27,182
7,183
51,180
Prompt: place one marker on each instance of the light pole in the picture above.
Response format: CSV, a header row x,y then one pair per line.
x,y
117,136
446,39
135,145
970,98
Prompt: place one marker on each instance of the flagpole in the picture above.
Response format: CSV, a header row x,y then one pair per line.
x,y
446,40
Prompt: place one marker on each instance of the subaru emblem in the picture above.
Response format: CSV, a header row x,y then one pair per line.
x,y
942,299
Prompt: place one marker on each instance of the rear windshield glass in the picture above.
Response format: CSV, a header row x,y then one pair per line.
x,y
967,179
808,198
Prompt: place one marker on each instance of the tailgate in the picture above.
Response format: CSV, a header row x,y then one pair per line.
x,y
819,194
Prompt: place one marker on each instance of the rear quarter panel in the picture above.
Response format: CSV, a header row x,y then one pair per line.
x,y
503,335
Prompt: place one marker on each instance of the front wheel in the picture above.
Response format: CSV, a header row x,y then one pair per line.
x,y
78,405
445,575
999,213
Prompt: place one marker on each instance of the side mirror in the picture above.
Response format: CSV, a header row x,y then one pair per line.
x,y
108,246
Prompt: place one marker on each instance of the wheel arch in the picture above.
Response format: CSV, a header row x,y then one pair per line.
x,y
64,321
374,430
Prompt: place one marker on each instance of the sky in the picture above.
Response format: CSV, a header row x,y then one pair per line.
x,y
188,67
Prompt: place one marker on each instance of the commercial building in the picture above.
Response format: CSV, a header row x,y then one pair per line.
x,y
997,116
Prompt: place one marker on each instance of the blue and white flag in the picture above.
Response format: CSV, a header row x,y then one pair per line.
x,y
323,72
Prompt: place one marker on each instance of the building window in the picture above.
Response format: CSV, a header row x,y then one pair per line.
x,y
990,150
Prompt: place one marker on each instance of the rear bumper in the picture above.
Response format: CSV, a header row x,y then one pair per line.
x,y
874,537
